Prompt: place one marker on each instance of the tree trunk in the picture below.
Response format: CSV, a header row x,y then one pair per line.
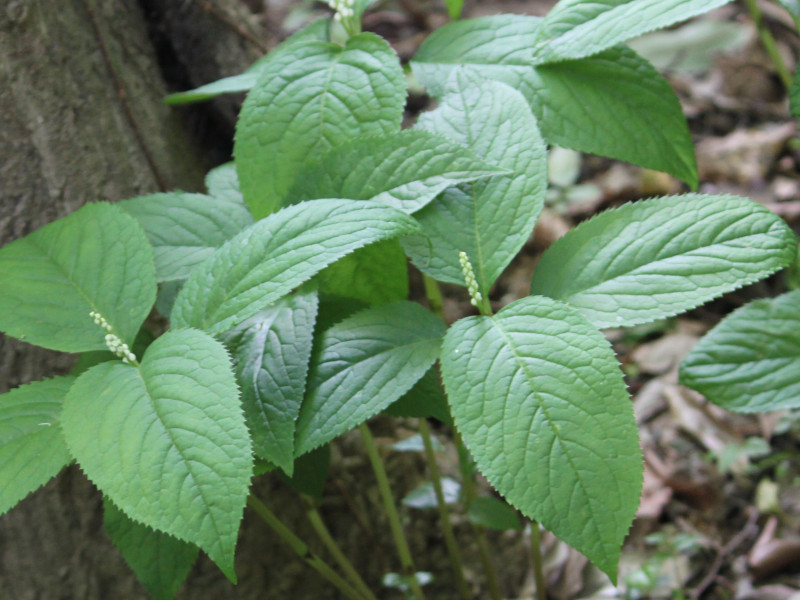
x,y
81,120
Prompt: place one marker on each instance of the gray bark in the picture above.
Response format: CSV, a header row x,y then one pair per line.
x,y
81,120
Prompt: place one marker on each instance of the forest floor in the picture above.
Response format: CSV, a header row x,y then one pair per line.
x,y
720,512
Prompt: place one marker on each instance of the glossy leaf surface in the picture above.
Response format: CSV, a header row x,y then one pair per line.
x,y
406,170
489,220
271,352
576,28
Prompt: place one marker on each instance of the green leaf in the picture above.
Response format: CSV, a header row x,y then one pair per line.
x,y
32,449
271,352
539,399
576,28
426,399
308,100
240,83
614,104
96,259
244,82
167,441
161,562
493,513
405,170
310,472
750,362
185,229
277,254
222,182
490,220
656,258
365,363
376,274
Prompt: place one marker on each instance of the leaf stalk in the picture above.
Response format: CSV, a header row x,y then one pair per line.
x,y
324,534
536,556
769,43
444,513
301,549
400,542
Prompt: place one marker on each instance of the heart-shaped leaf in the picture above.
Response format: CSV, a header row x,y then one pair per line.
x,y
167,441
540,402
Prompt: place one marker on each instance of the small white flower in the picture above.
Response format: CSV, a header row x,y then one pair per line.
x,y
469,278
112,340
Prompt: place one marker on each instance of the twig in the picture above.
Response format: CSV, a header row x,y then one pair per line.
x,y
341,559
444,513
538,566
726,550
406,562
769,43
301,549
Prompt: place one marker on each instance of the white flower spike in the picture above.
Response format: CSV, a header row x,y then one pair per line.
x,y
469,278
113,342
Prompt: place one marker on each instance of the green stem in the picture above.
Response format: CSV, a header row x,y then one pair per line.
x,y
467,471
444,513
770,45
325,535
484,306
468,493
406,562
486,561
301,549
434,295
536,555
